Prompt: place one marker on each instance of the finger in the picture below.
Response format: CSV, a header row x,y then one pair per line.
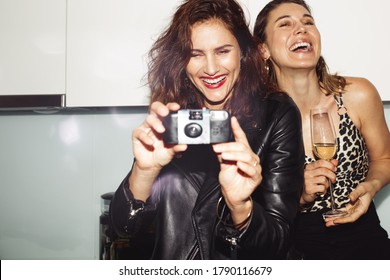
x,y
161,110
251,170
180,148
310,166
320,175
231,147
239,134
173,106
324,164
319,182
350,218
319,190
329,223
236,152
141,135
158,107
153,122
315,186
354,213
357,193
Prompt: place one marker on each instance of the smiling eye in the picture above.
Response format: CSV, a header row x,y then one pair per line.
x,y
224,51
284,24
195,54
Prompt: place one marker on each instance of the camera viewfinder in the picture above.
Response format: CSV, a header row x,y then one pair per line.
x,y
196,115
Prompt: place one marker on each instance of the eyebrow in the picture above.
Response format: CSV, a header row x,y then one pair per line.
x,y
216,49
287,16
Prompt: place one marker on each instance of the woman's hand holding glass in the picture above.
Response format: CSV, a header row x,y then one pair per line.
x,y
324,147
316,182
240,173
316,175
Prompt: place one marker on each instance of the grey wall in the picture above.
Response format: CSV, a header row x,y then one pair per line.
x,y
53,169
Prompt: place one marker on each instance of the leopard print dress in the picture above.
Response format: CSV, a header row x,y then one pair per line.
x,y
352,168
363,239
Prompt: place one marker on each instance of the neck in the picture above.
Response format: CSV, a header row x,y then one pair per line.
x,y
303,88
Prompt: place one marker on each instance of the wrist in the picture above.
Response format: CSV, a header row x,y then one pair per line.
x,y
241,212
141,182
376,187
240,215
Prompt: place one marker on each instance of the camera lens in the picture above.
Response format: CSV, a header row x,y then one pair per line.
x,y
193,130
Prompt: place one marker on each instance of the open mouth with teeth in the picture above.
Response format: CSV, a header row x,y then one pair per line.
x,y
214,83
301,46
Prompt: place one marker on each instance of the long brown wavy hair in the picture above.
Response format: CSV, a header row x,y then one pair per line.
x,y
330,83
171,53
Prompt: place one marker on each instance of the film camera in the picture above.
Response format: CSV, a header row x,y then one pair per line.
x,y
197,126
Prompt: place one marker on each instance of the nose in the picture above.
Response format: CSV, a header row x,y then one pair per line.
x,y
211,67
301,29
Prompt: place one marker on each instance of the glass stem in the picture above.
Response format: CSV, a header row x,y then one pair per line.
x,y
331,194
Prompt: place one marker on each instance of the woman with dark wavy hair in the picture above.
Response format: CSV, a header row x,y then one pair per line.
x,y
233,198
172,51
290,44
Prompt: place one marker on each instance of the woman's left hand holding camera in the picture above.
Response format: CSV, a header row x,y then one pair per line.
x,y
240,173
150,152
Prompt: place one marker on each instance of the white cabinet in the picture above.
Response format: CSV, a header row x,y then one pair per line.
x,y
32,47
95,51
107,45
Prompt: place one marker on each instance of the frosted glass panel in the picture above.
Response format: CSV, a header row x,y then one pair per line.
x,y
53,170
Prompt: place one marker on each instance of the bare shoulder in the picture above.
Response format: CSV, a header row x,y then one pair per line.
x,y
360,87
360,90
361,98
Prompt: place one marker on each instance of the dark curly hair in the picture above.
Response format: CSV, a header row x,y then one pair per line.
x,y
171,53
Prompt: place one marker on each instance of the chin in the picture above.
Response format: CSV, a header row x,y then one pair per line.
x,y
217,102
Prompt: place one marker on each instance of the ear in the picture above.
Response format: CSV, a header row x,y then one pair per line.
x,y
264,51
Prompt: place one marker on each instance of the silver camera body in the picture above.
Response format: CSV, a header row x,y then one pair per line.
x,y
197,126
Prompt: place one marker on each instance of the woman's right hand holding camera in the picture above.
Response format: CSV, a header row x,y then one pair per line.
x,y
150,152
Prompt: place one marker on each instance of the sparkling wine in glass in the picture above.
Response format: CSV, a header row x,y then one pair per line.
x,y
324,142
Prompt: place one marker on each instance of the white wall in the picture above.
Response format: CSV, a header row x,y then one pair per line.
x,y
107,44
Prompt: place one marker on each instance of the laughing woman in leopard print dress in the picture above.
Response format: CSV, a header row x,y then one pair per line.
x,y
291,46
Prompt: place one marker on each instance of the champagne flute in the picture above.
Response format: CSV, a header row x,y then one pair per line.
x,y
324,143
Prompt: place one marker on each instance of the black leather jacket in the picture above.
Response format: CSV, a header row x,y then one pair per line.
x,y
182,207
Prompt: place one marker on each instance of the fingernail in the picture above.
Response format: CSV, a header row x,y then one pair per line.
x,y
216,148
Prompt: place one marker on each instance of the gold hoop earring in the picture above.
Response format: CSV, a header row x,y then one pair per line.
x,y
266,64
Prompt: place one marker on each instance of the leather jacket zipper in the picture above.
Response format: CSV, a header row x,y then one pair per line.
x,y
233,247
194,252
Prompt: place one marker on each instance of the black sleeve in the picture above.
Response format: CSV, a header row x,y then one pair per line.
x,y
129,217
276,200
